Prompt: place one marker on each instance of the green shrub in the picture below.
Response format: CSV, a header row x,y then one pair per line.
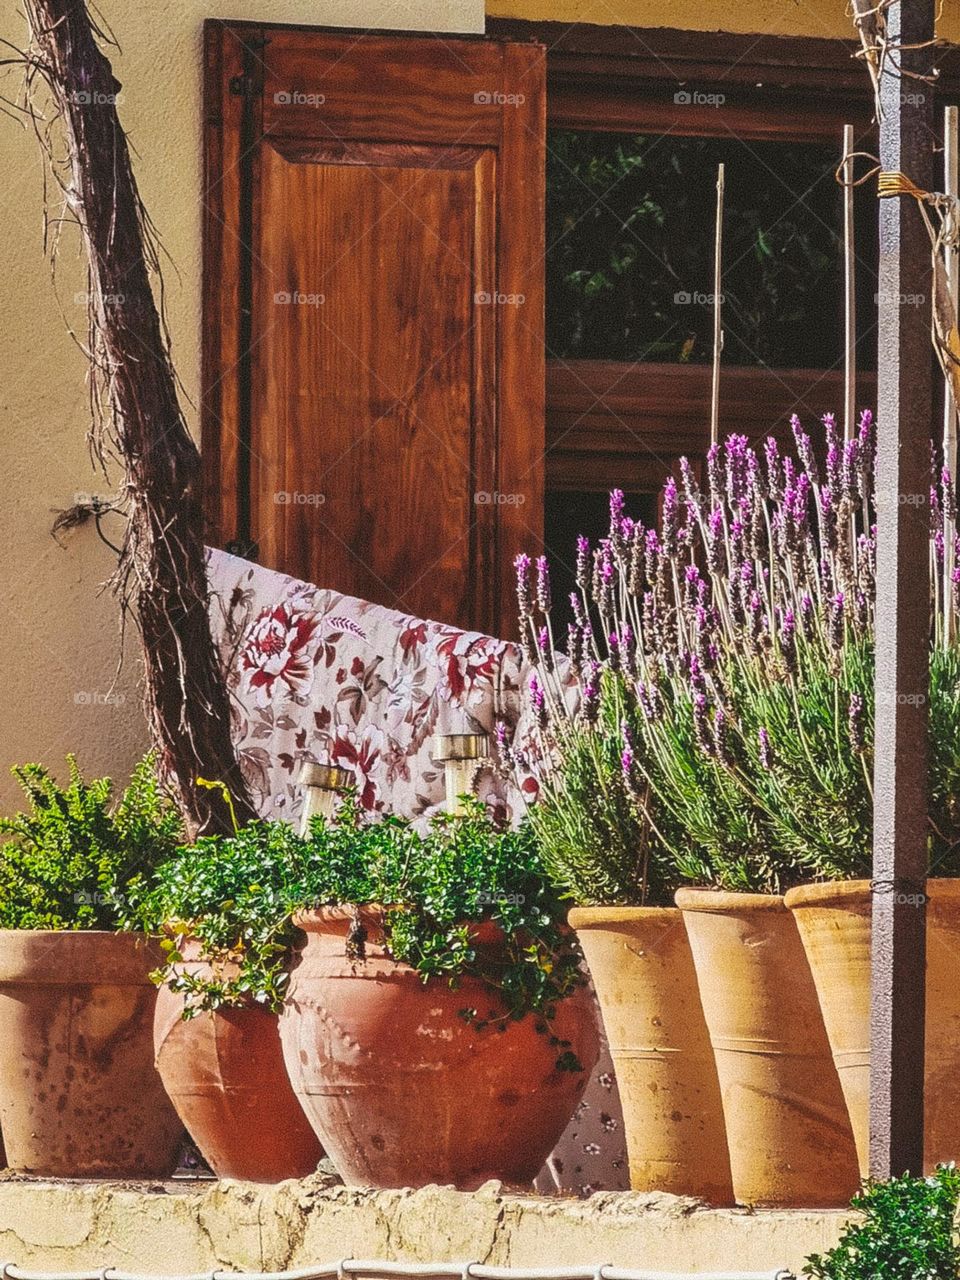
x,y
67,862
237,895
233,895
909,1232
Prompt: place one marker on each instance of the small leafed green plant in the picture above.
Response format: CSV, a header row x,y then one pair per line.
x,y
232,896
908,1232
237,897
436,886
67,861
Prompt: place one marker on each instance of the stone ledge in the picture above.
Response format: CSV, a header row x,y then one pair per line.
x,y
182,1227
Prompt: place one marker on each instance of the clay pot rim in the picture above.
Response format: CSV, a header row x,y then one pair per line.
x,y
836,892
723,901
65,957
580,918
336,919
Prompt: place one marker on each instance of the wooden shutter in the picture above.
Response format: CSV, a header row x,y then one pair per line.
x,y
373,311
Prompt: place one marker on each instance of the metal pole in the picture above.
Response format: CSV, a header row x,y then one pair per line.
x,y
950,186
849,291
905,422
717,310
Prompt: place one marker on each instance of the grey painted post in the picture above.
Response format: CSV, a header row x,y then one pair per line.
x,y
905,418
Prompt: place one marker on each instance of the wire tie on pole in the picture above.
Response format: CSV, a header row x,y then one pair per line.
x,y
4,1272
342,1268
467,1273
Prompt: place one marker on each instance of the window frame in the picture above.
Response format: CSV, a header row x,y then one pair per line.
x,y
621,423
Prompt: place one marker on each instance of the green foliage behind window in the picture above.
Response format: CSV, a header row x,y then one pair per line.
x,y
630,226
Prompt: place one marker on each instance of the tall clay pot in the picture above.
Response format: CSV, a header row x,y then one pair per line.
x,y
790,1140
834,922
224,1073
79,1094
642,970
402,1089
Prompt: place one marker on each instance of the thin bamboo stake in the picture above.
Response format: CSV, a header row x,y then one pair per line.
x,y
717,305
849,291
950,186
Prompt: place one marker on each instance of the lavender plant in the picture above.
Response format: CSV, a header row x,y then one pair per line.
x,y
712,719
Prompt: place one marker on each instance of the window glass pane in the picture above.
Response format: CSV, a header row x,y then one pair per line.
x,y
630,226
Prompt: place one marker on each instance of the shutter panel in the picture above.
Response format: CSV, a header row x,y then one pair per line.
x,y
373,405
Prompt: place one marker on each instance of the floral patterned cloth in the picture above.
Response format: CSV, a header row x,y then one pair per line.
x,y
317,676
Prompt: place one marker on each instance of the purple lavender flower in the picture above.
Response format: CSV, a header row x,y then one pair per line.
x,y
522,564
713,472
805,450
855,726
701,724
850,470
715,544
616,524
613,648
764,752
771,453
647,697
626,763
590,695
736,449
538,701
832,451
691,489
543,584
583,562
835,627
806,615
574,644
652,549
618,505
670,517
576,607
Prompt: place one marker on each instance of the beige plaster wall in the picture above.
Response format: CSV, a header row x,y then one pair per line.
x,y
59,639
827,18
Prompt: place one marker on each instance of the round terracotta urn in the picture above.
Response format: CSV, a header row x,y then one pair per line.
x,y
79,1094
789,1136
642,969
834,920
224,1072
401,1089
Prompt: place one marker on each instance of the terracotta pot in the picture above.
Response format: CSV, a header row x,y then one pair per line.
x,y
224,1073
834,922
642,969
790,1139
79,1094
401,1089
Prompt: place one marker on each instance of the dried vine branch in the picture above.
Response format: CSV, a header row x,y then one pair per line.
x,y
161,578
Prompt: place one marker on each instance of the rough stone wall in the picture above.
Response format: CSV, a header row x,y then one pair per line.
x,y
181,1228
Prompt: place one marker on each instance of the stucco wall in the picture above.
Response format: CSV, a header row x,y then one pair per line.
x,y
59,640
827,18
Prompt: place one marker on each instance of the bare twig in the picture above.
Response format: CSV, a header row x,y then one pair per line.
x,y
136,415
